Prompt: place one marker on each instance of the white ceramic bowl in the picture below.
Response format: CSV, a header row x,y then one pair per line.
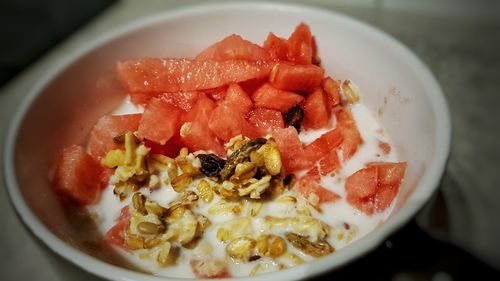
x,y
63,105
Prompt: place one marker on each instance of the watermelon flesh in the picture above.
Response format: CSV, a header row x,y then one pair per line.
x,y
316,115
270,97
311,184
150,75
266,120
159,122
373,188
116,235
234,47
195,132
107,127
294,77
77,176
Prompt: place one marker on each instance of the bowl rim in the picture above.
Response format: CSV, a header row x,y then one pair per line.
x,y
426,187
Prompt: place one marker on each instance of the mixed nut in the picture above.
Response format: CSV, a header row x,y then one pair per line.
x,y
237,187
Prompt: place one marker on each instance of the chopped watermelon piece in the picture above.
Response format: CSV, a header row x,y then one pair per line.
x,y
159,122
276,46
181,75
384,146
210,268
323,145
390,173
77,176
104,177
352,137
108,127
234,47
292,77
316,115
329,164
116,235
237,99
217,94
270,97
332,93
266,120
227,122
170,148
291,148
373,188
195,133
310,184
300,44
250,86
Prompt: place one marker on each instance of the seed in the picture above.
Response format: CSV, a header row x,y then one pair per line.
x,y
183,152
138,201
150,228
262,244
180,183
349,93
278,247
154,208
316,249
287,199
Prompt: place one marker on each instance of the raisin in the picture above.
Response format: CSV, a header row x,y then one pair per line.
x,y
294,117
211,164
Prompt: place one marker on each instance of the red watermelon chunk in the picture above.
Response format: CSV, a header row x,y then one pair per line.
x,y
373,188
170,148
292,77
195,133
181,75
116,235
316,115
300,44
291,148
329,164
311,184
277,47
108,127
104,177
226,122
270,97
159,122
234,47
181,100
352,137
332,93
319,148
266,120
209,268
237,99
77,176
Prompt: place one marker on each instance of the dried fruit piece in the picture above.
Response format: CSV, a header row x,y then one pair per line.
x,y
211,164
294,117
316,249
239,156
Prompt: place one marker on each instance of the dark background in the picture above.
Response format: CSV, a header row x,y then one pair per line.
x,y
466,63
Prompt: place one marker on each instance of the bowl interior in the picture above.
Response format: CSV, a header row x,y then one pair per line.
x,y
398,90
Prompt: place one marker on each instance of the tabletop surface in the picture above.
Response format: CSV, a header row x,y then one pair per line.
x,y
461,49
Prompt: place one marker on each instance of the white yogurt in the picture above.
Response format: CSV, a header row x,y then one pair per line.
x,y
336,214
